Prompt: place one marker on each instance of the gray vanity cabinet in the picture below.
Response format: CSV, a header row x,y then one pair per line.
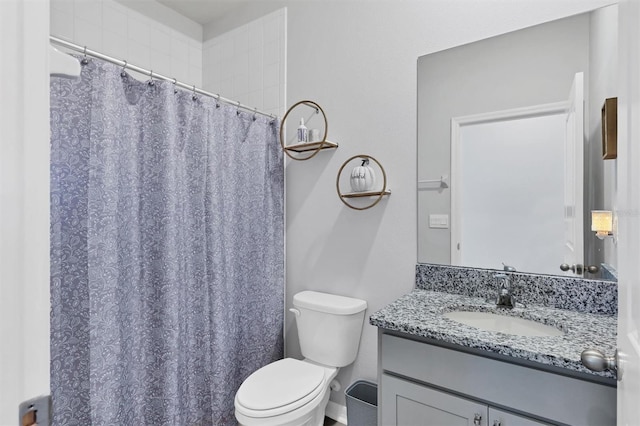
x,y
421,383
409,404
504,418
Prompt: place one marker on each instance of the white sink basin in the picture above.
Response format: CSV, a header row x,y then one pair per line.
x,y
505,324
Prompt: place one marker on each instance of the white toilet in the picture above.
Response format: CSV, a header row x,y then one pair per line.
x,y
290,392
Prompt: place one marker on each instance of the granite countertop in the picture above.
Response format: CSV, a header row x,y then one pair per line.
x,y
419,313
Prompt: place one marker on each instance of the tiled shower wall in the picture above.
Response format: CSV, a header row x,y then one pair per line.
x,y
111,28
247,64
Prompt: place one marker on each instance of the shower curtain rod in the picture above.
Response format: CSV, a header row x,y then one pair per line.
x,y
153,75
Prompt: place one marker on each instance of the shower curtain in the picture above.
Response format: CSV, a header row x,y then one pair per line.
x,y
167,274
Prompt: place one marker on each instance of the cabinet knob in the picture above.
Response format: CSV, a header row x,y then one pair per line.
x,y
477,419
593,269
577,268
595,360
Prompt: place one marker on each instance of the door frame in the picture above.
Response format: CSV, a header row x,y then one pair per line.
x,y
627,210
24,205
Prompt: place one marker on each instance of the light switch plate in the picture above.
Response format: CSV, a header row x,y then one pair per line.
x,y
440,221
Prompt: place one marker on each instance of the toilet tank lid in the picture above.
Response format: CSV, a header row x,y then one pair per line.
x,y
329,303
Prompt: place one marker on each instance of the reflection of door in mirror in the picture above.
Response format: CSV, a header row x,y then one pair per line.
x,y
506,201
573,180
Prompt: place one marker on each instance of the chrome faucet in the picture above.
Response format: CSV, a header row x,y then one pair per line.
x,y
505,298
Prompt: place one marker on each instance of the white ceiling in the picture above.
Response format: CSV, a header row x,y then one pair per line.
x,y
203,11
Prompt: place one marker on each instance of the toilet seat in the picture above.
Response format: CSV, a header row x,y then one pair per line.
x,y
279,387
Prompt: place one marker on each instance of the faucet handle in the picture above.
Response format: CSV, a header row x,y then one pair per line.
x,y
508,268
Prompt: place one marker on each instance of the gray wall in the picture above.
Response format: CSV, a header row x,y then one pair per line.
x,y
600,174
358,61
524,68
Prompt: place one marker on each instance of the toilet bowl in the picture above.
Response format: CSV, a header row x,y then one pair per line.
x,y
288,392
292,392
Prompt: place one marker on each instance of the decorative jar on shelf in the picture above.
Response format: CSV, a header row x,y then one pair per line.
x,y
363,177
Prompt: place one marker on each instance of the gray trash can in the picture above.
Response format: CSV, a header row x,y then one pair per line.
x,y
362,404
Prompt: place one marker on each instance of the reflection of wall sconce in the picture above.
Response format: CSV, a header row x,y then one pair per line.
x,y
602,223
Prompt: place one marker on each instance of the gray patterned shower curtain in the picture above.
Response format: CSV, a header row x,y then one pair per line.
x,y
167,256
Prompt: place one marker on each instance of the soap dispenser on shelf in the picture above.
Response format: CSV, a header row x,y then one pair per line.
x,y
303,132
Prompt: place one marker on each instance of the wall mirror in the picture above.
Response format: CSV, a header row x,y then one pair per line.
x,y
509,161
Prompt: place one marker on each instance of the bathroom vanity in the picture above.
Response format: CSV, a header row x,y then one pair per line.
x,y
423,383
434,370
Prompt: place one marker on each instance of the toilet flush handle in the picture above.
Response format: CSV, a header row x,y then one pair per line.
x,y
295,311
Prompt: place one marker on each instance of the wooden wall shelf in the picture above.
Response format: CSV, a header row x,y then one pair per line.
x,y
610,129
376,195
308,147
311,146
366,194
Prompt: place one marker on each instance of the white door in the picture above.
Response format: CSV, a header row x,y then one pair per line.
x,y
573,178
628,212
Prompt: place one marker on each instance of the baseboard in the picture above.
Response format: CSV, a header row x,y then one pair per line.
x,y
336,412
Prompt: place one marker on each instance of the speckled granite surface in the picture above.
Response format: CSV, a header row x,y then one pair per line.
x,y
575,294
419,313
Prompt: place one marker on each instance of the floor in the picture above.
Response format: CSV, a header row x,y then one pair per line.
x,y
331,422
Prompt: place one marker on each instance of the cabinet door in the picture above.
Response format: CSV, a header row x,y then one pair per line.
x,y
405,403
503,418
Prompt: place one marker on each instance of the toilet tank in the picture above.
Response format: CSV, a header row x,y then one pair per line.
x,y
329,327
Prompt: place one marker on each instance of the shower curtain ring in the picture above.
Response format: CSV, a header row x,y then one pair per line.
x,y
123,71
175,83
151,82
238,108
217,100
194,96
84,60
255,113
